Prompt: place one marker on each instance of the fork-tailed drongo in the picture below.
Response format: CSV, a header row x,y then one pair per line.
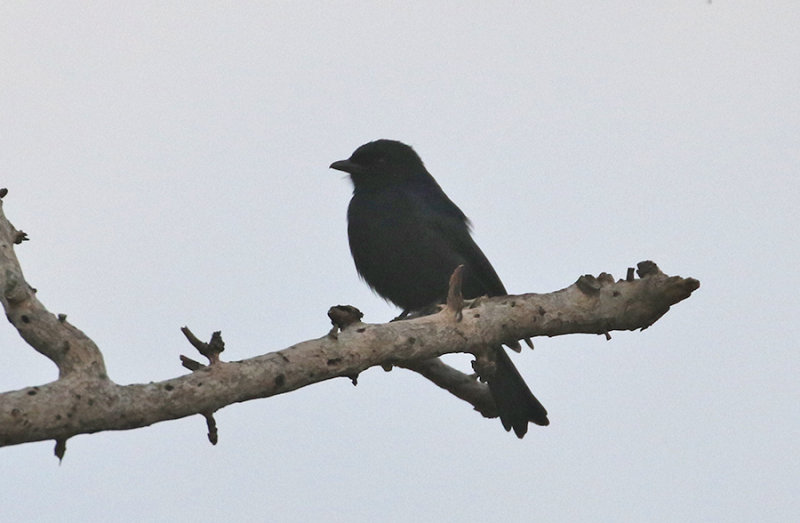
x,y
407,237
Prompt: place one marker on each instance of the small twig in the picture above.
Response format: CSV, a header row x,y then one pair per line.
x,y
194,340
190,364
61,448
455,300
210,350
515,346
20,237
213,435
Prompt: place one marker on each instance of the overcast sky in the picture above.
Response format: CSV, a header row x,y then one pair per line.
x,y
170,165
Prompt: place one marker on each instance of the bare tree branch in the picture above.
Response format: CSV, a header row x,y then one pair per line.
x,y
461,385
70,349
84,400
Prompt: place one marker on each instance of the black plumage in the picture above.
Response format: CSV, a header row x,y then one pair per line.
x,y
406,237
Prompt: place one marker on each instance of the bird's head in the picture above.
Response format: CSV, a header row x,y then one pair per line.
x,y
382,163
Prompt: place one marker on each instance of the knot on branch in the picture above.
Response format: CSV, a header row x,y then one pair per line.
x,y
19,237
342,316
646,268
589,284
484,365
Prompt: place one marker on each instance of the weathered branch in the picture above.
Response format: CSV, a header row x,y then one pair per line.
x,y
461,385
69,348
84,400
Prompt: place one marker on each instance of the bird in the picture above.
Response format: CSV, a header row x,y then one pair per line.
x,y
407,237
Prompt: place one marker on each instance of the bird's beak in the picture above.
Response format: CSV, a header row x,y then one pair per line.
x,y
344,165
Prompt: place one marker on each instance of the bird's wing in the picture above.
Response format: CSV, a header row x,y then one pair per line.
x,y
452,225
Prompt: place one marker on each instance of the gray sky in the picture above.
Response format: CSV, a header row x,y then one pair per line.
x,y
170,167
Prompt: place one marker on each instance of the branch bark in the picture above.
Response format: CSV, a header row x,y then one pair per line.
x,y
84,399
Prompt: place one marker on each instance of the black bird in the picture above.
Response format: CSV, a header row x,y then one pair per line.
x,y
407,237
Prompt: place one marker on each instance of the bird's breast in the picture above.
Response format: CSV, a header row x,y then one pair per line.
x,y
397,251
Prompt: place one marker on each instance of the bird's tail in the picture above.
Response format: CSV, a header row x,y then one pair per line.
x,y
515,402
